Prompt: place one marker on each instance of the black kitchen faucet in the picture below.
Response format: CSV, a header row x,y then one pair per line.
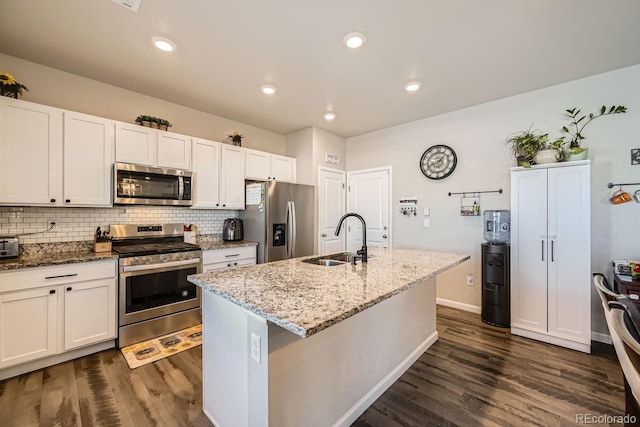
x,y
362,252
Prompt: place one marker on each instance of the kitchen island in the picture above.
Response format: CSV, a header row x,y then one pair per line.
x,y
290,343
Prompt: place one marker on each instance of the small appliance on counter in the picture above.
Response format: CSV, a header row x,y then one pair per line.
x,y
232,229
9,247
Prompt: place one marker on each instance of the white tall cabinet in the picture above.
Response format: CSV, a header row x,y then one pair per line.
x,y
551,254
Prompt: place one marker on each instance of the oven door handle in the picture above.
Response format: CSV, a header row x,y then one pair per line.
x,y
128,268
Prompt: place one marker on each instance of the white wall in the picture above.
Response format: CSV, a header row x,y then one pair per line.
x,y
69,91
477,135
300,145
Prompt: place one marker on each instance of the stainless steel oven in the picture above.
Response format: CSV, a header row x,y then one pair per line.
x,y
155,297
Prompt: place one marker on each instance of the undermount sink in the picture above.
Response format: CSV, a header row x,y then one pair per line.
x,y
330,260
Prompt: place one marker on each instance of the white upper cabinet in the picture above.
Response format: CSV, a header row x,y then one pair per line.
x,y
30,150
269,167
219,175
151,147
232,175
53,157
88,156
206,169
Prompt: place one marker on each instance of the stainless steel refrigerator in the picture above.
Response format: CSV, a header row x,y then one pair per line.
x,y
280,217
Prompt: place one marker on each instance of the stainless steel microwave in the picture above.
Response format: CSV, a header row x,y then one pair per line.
x,y
144,185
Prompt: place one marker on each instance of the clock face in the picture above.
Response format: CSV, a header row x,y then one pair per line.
x,y
438,162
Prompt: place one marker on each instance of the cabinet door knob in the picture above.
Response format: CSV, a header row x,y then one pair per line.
x,y
224,205
324,234
52,291
67,201
384,236
268,177
228,265
53,200
235,263
217,204
69,289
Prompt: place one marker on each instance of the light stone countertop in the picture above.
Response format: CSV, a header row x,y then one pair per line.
x,y
306,298
48,259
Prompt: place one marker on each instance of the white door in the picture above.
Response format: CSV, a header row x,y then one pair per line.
x,y
232,177
30,147
136,144
89,312
331,202
174,151
88,156
569,287
28,325
206,168
529,249
368,194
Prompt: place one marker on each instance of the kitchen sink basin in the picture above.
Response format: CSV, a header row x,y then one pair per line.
x,y
330,260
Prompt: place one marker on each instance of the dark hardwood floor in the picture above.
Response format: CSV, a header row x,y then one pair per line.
x,y
475,374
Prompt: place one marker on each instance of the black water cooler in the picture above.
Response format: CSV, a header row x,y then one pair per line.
x,y
496,292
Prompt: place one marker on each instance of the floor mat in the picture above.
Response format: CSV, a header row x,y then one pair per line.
x,y
158,348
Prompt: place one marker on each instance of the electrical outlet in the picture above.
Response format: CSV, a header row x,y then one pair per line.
x,y
51,223
469,279
255,347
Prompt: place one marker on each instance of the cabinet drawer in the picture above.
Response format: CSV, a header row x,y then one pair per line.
x,y
227,264
32,278
230,254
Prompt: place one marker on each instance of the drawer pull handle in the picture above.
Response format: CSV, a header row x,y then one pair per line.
x,y
52,291
62,275
69,289
228,265
232,255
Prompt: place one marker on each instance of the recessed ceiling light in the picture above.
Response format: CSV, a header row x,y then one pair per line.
x,y
329,116
412,86
268,89
354,40
163,44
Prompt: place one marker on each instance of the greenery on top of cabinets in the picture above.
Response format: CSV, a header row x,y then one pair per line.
x,y
575,128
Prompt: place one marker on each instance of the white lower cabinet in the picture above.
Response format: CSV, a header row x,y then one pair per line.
x,y
28,325
222,259
46,311
551,253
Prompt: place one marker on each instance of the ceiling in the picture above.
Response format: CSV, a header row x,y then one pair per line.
x,y
465,52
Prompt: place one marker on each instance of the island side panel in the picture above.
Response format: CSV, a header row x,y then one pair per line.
x,y
234,385
331,377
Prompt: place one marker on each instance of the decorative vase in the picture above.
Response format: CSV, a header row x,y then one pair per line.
x,y
569,157
547,156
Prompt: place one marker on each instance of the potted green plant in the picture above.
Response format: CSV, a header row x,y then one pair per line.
x,y
164,124
236,138
575,129
144,120
550,152
9,87
525,144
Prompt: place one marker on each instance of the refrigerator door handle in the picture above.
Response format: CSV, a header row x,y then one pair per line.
x,y
287,236
292,235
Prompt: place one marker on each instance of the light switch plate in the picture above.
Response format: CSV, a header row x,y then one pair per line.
x,y
426,211
426,223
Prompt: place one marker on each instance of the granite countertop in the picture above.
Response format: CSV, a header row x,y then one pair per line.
x,y
306,298
47,254
221,244
48,259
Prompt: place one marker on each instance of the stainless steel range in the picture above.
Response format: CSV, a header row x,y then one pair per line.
x,y
155,297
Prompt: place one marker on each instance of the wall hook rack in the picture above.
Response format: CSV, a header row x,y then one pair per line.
x,y
611,185
475,192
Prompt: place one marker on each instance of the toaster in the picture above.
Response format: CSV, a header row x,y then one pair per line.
x,y
232,229
9,247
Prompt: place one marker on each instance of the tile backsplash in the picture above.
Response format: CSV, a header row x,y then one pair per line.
x,y
79,224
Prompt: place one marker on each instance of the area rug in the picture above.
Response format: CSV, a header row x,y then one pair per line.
x,y
158,348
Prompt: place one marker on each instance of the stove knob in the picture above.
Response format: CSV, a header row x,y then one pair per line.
x,y
164,258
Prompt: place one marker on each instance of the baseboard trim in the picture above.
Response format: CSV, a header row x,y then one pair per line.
x,y
34,365
367,400
601,337
551,339
459,305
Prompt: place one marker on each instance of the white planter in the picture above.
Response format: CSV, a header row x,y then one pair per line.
x,y
573,157
546,156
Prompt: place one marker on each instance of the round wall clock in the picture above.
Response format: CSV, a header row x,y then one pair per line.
x,y
438,162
